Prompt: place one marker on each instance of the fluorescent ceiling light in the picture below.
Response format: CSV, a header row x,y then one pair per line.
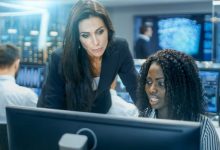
x,y
53,33
12,31
34,32
30,11
27,44
215,2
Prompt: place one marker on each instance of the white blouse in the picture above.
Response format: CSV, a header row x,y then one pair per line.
x,y
95,83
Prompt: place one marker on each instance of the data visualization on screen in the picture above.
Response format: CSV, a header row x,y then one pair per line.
x,y
210,82
31,76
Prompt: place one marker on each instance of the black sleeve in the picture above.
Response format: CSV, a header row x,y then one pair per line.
x,y
53,91
127,71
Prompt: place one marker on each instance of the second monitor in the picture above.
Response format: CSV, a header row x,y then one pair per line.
x,y
210,78
31,76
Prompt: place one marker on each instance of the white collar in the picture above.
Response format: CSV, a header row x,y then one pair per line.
x,y
7,77
145,37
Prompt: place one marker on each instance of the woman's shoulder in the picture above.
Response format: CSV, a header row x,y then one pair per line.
x,y
56,55
209,135
58,52
119,40
205,121
118,45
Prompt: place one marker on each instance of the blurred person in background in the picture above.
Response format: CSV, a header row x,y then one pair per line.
x,y
11,93
142,48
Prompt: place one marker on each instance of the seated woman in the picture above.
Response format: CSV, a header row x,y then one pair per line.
x,y
170,88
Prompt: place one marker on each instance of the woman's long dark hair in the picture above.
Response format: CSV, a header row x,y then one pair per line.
x,y
75,61
182,83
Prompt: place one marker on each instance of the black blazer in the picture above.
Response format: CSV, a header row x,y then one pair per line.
x,y
117,59
142,49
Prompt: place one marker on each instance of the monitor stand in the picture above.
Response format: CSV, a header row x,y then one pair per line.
x,y
73,142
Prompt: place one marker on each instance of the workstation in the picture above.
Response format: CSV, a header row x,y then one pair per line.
x,y
42,31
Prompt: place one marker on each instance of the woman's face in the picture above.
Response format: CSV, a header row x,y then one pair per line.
x,y
155,87
93,35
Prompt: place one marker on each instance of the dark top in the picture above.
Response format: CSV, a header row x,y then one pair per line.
x,y
117,59
142,49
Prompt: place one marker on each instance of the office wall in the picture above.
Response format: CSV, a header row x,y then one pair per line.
x,y
122,17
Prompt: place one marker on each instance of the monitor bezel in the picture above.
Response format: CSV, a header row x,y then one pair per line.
x,y
155,37
91,119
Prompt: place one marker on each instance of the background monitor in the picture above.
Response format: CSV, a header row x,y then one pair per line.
x,y
210,78
41,129
31,76
189,33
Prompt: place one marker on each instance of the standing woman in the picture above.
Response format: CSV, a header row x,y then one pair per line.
x,y
170,88
81,74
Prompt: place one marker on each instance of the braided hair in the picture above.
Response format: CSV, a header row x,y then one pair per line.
x,y
182,84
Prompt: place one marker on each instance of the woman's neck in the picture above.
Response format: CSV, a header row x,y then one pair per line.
x,y
94,59
96,63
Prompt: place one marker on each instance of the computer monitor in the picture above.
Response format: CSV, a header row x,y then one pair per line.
x,y
120,88
31,76
41,129
210,78
3,136
170,30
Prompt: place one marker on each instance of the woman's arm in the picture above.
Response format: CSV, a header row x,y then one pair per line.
x,y
53,91
209,136
127,71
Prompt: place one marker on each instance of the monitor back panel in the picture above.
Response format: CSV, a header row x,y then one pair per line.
x,y
41,129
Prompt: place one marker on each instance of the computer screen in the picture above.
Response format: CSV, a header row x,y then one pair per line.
x,y
189,33
31,76
120,88
210,81
41,129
